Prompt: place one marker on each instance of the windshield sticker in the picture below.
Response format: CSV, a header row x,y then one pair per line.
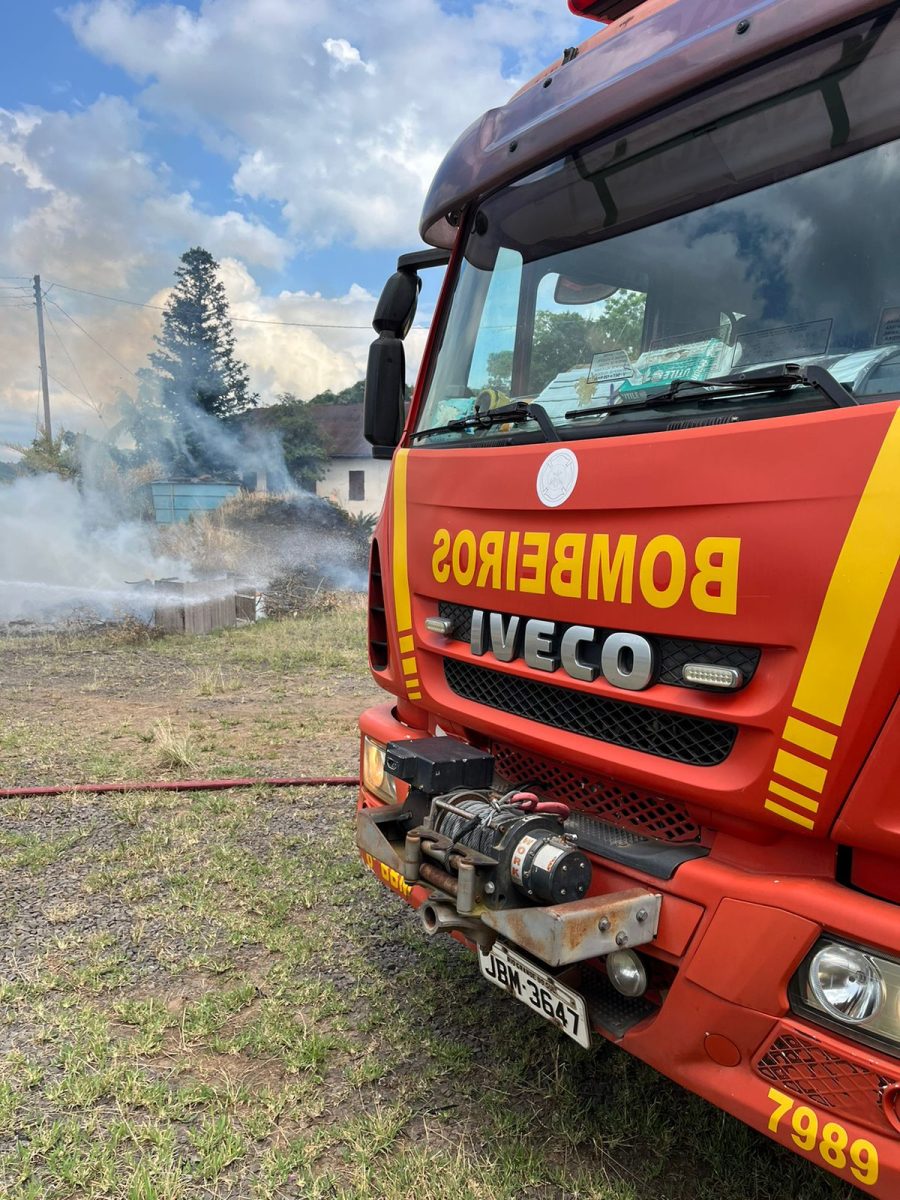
x,y
699,360
610,366
785,343
570,388
888,327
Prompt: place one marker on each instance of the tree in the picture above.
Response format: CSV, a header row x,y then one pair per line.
x,y
563,340
305,452
195,364
354,394
43,457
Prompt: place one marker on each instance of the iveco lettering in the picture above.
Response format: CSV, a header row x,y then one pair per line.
x,y
634,592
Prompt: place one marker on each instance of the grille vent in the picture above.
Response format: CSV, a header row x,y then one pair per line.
x,y
378,638
627,807
805,1068
694,740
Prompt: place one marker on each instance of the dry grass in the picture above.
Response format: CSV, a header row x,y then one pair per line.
x,y
204,542
174,749
211,681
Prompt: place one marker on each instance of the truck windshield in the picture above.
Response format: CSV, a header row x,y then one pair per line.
x,y
755,227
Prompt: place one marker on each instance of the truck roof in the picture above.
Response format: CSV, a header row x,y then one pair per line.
x,y
660,52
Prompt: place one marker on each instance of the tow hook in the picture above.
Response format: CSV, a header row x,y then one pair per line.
x,y
439,916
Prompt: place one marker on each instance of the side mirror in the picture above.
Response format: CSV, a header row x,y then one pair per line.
x,y
384,410
397,304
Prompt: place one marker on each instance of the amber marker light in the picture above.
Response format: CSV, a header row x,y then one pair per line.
x,y
375,778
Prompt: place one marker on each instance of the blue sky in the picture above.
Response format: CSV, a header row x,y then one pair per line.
x,y
293,138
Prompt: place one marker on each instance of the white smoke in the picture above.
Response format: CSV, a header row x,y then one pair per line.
x,y
69,548
62,550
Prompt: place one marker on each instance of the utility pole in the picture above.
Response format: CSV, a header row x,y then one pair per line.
x,y
48,432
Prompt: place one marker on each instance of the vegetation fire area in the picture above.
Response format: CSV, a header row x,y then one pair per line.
x,y
203,996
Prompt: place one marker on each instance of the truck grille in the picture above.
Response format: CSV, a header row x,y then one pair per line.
x,y
673,652
620,804
694,740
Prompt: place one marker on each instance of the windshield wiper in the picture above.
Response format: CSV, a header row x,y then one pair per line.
x,y
512,414
744,383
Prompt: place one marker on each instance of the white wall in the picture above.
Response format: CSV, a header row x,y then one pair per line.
x,y
336,483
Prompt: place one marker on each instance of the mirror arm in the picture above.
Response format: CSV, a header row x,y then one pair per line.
x,y
421,260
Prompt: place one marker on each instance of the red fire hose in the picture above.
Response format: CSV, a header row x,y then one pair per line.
x,y
181,785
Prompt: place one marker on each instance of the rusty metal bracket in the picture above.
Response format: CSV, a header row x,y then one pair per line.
x,y
372,826
559,934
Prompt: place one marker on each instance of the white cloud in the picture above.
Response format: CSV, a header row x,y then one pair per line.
x,y
346,55
345,141
82,204
336,115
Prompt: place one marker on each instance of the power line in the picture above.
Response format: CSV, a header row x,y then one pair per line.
x,y
114,299
93,403
66,388
93,339
243,320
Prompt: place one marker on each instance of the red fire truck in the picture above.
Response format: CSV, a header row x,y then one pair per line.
x,y
634,589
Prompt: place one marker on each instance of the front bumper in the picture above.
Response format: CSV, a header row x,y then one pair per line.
x,y
732,939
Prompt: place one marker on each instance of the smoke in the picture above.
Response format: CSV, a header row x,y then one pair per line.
x,y
62,550
70,547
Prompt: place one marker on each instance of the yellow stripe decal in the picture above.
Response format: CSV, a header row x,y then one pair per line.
x,y
853,600
805,773
409,666
855,594
797,798
801,733
407,645
399,566
415,695
789,814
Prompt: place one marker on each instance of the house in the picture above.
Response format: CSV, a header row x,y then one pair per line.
x,y
353,478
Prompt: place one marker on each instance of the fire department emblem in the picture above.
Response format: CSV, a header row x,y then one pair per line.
x,y
557,477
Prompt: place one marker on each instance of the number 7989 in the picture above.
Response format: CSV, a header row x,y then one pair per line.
x,y
830,1139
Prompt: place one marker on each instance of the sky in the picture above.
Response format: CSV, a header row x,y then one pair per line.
x,y
294,139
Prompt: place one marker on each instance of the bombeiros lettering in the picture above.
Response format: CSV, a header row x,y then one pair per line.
x,y
625,660
612,568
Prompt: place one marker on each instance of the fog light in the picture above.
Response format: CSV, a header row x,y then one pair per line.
x,y
442,625
702,675
626,972
373,773
847,983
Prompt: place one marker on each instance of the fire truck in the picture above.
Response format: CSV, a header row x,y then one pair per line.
x,y
634,591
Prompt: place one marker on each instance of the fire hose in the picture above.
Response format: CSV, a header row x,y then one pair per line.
x,y
181,785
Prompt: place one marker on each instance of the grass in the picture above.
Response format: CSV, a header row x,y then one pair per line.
x,y
204,995
173,747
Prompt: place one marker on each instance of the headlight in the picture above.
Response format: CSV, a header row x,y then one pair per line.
x,y
851,989
374,777
847,983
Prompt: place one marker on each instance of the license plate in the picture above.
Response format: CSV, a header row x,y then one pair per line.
x,y
542,993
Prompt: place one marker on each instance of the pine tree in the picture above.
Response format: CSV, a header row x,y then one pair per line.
x,y
195,364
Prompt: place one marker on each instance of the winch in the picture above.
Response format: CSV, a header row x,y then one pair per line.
x,y
480,846
533,852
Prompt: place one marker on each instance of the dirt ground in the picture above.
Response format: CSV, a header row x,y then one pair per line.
x,y
204,994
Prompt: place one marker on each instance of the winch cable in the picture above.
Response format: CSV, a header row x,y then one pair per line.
x,y
180,785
